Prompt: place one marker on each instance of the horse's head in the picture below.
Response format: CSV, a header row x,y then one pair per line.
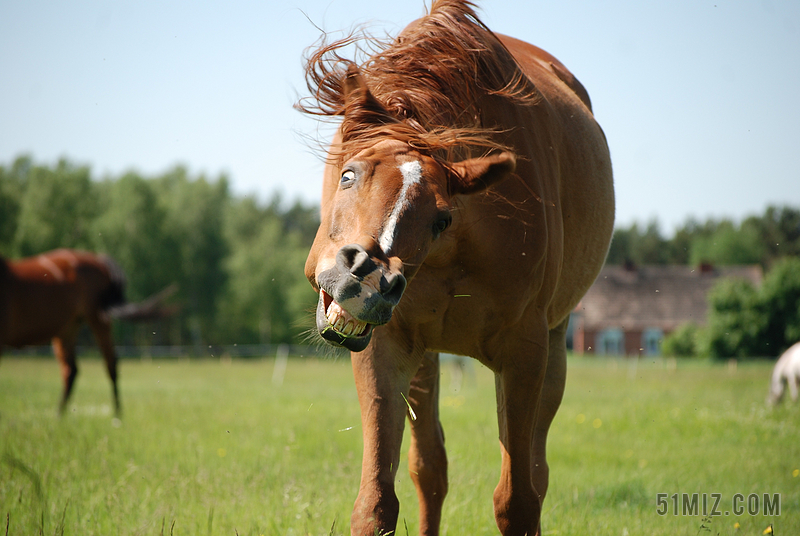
x,y
383,212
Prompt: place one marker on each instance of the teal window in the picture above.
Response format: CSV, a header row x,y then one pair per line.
x,y
610,341
651,341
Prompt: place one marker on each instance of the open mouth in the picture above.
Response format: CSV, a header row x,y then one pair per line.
x,y
340,321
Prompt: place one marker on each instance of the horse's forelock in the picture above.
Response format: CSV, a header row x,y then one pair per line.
x,y
428,83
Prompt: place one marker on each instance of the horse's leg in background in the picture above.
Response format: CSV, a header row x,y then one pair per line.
x,y
791,380
101,327
776,386
64,348
517,505
552,392
383,374
427,460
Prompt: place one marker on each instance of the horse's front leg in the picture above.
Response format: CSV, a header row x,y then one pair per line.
x,y
383,374
427,459
519,380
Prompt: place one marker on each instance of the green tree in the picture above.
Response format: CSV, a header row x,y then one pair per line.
x,y
780,232
12,188
780,305
194,211
683,342
56,209
652,247
760,239
691,231
639,247
735,321
620,251
267,296
132,229
729,245
304,220
745,322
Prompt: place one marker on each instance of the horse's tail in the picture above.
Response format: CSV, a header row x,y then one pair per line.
x,y
147,309
114,303
114,295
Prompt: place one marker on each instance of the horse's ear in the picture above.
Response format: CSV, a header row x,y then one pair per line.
x,y
360,105
477,174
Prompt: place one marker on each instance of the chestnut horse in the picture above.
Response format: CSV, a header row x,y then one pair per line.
x,y
467,206
48,297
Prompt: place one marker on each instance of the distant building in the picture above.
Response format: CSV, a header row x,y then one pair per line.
x,y
630,309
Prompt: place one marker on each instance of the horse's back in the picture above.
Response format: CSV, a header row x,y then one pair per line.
x,y
576,183
47,294
539,65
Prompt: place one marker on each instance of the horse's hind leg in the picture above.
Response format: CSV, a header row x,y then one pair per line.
x,y
427,460
552,393
102,332
64,348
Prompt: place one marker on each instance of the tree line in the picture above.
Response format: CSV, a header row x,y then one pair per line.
x,y
760,240
238,262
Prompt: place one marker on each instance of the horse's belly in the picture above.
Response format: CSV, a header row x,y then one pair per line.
x,y
29,324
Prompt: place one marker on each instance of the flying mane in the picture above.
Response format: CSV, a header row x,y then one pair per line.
x,y
428,84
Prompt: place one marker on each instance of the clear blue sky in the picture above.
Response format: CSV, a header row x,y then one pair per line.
x,y
700,100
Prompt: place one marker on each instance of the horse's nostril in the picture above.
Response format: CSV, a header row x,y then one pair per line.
x,y
392,287
355,260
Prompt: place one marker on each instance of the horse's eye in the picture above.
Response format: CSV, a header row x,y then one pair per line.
x,y
441,224
348,178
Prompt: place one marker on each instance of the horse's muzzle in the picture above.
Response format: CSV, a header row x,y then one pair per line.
x,y
355,295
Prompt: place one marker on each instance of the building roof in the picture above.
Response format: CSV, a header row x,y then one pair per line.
x,y
640,297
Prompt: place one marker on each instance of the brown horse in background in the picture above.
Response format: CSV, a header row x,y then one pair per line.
x,y
49,296
467,206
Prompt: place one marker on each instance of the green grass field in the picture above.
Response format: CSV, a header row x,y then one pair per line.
x,y
208,447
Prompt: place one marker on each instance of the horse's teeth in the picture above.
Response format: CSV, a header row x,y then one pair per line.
x,y
343,322
333,313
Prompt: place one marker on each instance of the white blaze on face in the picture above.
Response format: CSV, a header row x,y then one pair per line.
x,y
412,174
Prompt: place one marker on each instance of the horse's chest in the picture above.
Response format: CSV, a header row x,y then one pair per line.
x,y
456,310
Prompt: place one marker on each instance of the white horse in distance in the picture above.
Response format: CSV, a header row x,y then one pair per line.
x,y
786,371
